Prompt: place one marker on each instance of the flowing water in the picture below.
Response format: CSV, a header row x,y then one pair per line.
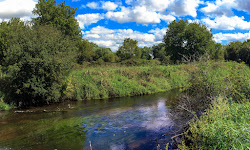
x,y
139,123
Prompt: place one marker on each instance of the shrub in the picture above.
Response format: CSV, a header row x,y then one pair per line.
x,y
35,62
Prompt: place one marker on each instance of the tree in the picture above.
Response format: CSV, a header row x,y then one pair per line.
x,y
129,49
86,51
146,53
35,62
232,50
159,52
100,52
244,53
187,39
219,53
61,17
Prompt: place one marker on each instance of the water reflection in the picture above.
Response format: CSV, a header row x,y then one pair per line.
x,y
116,124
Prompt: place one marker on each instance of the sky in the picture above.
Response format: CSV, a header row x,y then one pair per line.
x,y
108,22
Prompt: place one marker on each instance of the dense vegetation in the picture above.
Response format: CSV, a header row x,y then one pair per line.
x,y
47,60
223,89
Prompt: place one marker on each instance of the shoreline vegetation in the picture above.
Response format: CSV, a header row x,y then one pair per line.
x,y
47,60
219,89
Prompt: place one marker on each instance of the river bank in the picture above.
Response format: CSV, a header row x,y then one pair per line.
x,y
209,84
222,95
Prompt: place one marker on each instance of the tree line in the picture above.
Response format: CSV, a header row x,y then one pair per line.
x,y
36,56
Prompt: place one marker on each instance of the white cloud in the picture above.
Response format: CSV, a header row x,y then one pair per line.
x,y
219,7
87,19
16,8
102,5
227,23
152,11
93,5
219,37
224,7
113,38
243,5
138,14
153,5
185,7
159,33
109,5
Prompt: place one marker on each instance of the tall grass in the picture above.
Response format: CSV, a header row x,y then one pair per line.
x,y
224,125
224,90
107,82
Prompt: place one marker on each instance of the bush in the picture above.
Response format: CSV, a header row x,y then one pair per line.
x,y
35,62
223,126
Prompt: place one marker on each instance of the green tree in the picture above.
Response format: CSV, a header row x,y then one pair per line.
x,y
59,16
159,52
232,50
146,53
219,52
187,39
86,51
35,62
100,52
129,49
244,53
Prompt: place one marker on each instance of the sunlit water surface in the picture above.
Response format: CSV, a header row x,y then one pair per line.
x,y
140,123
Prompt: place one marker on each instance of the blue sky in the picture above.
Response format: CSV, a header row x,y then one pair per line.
x,y
108,22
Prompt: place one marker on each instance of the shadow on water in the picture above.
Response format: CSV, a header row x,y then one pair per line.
x,y
122,123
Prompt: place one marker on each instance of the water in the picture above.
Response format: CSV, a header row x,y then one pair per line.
x,y
118,124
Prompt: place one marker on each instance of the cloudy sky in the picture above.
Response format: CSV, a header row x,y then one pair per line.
x,y
108,22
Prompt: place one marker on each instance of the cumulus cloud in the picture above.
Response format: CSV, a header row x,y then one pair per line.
x,y
219,8
224,7
220,37
227,23
102,5
152,11
113,38
185,7
109,5
16,8
87,19
243,5
158,33
154,5
138,14
93,5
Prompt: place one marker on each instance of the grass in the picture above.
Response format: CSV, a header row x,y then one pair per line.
x,y
107,82
225,89
224,126
4,106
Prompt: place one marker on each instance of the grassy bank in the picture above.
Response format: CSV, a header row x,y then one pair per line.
x,y
224,91
108,82
224,125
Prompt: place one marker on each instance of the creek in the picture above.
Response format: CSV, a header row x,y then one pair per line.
x,y
142,122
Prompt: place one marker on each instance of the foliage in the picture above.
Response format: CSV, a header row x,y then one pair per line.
x,y
61,16
187,39
225,87
140,62
238,51
35,62
159,52
146,53
4,106
129,49
85,51
224,126
106,82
